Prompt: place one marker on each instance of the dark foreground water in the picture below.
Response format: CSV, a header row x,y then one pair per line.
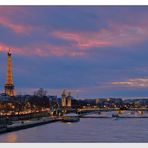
x,y
87,130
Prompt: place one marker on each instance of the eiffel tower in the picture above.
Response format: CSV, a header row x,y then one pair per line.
x,y
9,86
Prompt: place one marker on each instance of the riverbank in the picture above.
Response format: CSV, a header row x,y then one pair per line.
x,y
111,117
24,124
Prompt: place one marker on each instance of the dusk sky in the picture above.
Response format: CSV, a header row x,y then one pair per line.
x,y
94,51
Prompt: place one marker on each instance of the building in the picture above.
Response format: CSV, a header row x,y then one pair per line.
x,y
9,86
69,100
4,97
97,101
63,99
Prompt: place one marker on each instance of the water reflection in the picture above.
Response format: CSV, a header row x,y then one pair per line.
x,y
87,130
68,122
11,137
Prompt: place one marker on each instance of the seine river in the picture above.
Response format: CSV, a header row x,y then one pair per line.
x,y
87,130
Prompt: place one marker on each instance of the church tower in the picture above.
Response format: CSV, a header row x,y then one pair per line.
x,y
9,86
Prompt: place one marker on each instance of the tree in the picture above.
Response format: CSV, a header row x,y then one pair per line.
x,y
40,93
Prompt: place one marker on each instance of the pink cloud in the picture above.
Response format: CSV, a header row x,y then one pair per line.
x,y
43,50
6,19
82,40
116,35
18,28
136,82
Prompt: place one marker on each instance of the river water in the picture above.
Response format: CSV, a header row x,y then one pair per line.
x,y
87,130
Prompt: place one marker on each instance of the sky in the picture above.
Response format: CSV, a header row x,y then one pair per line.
x,y
92,51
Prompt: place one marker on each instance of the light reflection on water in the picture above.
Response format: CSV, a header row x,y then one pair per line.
x,y
87,130
68,122
12,137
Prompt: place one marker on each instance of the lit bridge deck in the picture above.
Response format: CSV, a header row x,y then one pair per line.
x,y
85,110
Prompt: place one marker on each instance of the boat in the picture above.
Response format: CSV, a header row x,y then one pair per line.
x,y
71,117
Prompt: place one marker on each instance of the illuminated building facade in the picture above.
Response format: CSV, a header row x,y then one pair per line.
x,y
64,99
69,100
9,86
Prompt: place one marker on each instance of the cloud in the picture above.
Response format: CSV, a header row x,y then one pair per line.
x,y
115,36
17,28
75,41
43,50
55,46
136,82
8,16
82,40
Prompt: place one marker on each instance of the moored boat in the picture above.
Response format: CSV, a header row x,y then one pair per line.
x,y
71,117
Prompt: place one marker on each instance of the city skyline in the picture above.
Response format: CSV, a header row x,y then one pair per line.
x,y
94,51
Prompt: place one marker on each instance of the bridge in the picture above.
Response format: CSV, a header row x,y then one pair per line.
x,y
97,110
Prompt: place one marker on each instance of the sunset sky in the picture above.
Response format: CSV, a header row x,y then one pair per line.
x,y
94,51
